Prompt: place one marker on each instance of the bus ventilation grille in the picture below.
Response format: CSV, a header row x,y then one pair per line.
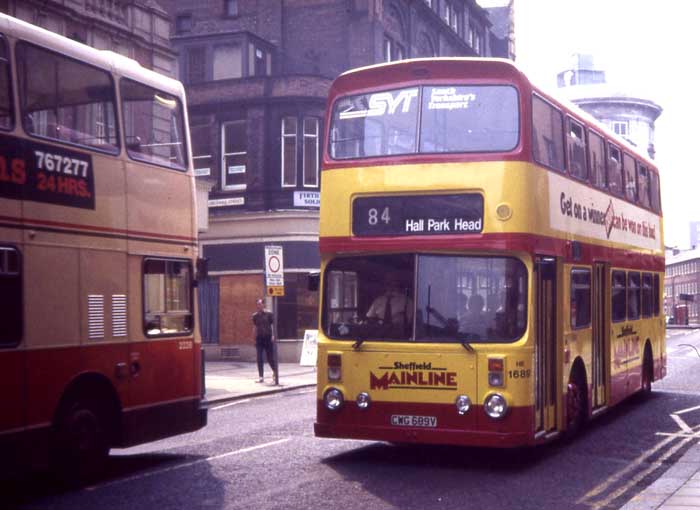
x,y
118,315
96,316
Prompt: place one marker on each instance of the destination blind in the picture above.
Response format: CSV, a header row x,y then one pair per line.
x,y
411,215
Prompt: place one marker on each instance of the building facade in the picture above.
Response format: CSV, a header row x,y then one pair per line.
x,y
626,114
138,29
257,76
682,287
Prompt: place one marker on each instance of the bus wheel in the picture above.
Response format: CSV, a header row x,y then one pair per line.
x,y
575,403
81,443
647,371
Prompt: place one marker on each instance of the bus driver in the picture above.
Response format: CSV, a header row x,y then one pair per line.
x,y
393,306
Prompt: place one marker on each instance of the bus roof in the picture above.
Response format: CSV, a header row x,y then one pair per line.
x,y
105,59
421,69
442,69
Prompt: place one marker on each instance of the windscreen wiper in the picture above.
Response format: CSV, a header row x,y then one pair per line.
x,y
467,338
465,343
358,343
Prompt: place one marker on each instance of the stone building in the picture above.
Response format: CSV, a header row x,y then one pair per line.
x,y
139,29
257,76
625,113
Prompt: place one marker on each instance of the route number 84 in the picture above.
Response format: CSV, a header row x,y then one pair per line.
x,y
374,216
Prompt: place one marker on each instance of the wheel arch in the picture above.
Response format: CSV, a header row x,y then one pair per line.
x,y
95,388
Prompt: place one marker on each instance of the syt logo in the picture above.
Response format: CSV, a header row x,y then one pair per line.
x,y
384,103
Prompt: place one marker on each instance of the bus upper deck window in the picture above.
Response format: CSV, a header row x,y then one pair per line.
x,y
6,110
79,108
154,125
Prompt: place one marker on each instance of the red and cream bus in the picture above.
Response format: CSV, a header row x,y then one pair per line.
x,y
492,259
98,346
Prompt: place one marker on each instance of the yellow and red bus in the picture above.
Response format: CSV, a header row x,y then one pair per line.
x,y
520,240
98,345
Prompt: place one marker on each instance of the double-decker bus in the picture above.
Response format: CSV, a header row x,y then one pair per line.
x,y
492,259
98,346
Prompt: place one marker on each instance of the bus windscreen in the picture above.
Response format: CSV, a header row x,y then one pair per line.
x,y
429,119
426,298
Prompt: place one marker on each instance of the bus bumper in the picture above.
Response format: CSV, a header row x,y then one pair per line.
x,y
515,429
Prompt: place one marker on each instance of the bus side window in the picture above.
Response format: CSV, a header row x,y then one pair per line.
x,y
167,290
657,297
576,145
643,184
614,167
6,110
629,166
596,155
11,326
647,295
633,296
580,298
654,192
619,296
548,134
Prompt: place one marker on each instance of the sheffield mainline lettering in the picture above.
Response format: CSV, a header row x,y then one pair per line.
x,y
411,379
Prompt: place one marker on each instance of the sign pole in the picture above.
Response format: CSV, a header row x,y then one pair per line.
x,y
274,344
274,287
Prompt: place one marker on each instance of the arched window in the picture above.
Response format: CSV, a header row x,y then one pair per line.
x,y
425,47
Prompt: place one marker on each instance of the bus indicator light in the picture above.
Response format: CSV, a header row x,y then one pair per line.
x,y
496,368
334,367
496,364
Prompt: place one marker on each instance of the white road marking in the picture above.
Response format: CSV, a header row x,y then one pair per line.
x,y
686,435
683,425
634,480
229,404
187,464
684,411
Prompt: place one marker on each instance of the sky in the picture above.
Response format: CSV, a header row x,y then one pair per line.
x,y
646,47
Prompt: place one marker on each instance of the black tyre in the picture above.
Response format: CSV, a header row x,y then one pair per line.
x,y
81,442
576,403
647,371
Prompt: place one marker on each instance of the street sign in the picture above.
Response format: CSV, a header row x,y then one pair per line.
x,y
275,291
274,270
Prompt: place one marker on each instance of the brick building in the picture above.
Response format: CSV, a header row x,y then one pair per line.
x,y
139,29
257,76
682,287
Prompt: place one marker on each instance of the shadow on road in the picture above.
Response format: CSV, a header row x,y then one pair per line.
x,y
41,489
614,457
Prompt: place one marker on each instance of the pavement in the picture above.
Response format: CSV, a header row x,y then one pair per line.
x,y
677,489
234,380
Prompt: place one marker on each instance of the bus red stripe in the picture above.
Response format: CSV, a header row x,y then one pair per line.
x,y
529,243
95,228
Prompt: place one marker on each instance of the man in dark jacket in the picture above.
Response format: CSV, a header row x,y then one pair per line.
x,y
263,321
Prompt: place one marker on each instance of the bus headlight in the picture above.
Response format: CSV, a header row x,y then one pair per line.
x,y
463,404
495,406
363,400
333,399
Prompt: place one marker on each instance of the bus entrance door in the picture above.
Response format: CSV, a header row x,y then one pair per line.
x,y
599,372
545,344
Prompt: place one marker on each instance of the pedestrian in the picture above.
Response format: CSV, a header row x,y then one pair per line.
x,y
263,321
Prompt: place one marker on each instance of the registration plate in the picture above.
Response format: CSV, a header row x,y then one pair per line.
x,y
407,420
